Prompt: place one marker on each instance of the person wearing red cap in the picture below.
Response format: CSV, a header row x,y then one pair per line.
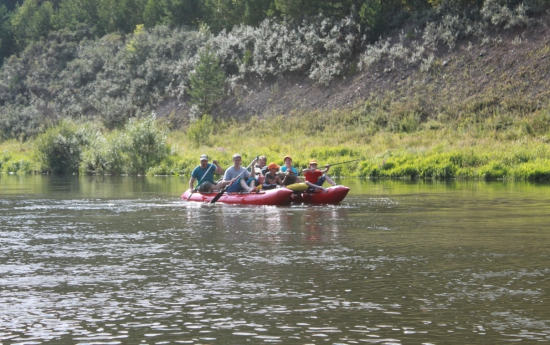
x,y
315,177
272,180
291,173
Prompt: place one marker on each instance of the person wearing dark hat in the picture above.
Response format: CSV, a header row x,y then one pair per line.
x,y
290,173
272,180
204,173
315,177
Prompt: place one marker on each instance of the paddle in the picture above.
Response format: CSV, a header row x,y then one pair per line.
x,y
331,165
219,195
355,160
199,183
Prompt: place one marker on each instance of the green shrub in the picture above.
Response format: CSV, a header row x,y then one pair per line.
x,y
145,144
538,170
132,150
59,149
20,166
493,171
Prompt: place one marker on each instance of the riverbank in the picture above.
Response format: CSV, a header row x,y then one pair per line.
x,y
428,153
472,152
480,111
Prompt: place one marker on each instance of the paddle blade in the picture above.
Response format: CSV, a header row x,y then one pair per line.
x,y
219,195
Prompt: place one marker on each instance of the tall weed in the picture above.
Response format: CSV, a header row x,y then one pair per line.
x,y
200,131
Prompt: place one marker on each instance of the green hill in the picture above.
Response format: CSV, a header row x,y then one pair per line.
x,y
451,95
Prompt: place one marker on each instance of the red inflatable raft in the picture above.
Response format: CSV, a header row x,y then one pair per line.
x,y
333,195
279,196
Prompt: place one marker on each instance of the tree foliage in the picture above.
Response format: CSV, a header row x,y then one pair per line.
x,y
30,20
199,132
207,81
6,40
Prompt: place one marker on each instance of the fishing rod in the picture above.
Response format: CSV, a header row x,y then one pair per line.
x,y
355,160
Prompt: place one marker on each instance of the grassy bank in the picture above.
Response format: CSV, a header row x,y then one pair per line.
x,y
477,150
427,153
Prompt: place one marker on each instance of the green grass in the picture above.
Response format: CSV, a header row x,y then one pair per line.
x,y
433,154
16,157
476,150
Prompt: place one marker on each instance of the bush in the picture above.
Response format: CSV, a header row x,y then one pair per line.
x,y
145,144
132,150
59,149
20,166
318,47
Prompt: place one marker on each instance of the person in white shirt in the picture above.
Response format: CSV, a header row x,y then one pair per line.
x,y
239,178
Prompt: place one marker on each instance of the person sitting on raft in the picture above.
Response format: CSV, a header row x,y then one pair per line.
x,y
239,178
315,177
291,173
272,180
261,167
204,173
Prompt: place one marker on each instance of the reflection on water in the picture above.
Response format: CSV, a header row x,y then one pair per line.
x,y
95,260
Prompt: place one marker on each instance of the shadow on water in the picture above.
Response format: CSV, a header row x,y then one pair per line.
x,y
121,260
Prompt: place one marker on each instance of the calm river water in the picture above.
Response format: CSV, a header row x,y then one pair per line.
x,y
104,260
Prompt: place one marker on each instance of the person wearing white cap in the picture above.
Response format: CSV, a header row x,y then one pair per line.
x,y
204,173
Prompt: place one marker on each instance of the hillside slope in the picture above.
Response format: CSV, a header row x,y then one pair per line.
x,y
509,72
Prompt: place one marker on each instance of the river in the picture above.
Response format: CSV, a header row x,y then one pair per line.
x,y
121,260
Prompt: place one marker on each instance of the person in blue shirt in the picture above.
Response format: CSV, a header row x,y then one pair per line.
x,y
205,174
290,172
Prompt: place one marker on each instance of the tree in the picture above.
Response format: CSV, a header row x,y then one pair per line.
x,y
10,4
131,12
372,18
379,16
226,14
5,34
30,22
255,11
207,81
298,8
181,12
71,13
152,14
